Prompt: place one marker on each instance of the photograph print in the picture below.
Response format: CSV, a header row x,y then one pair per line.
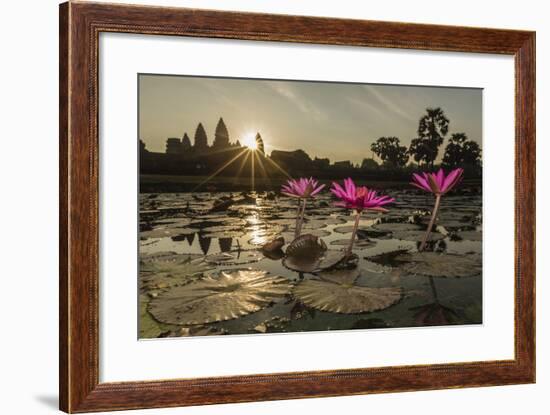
x,y
284,206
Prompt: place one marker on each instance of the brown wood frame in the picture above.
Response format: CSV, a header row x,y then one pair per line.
x,y
80,26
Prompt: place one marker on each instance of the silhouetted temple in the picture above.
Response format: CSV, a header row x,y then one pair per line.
x,y
260,143
183,157
221,137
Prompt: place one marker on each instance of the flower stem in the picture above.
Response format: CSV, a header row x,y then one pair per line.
x,y
300,218
353,233
431,224
297,226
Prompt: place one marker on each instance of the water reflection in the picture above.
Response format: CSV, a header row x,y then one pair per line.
x,y
240,230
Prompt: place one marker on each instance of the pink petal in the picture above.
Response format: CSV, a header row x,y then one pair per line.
x,y
421,182
440,178
317,190
350,187
452,180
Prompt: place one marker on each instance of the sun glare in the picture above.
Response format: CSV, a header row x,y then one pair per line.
x,y
250,142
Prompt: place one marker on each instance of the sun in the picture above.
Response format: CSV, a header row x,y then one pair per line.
x,y
250,142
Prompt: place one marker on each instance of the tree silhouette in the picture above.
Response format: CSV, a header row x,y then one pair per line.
x,y
221,136
185,143
259,143
201,141
461,152
432,129
390,151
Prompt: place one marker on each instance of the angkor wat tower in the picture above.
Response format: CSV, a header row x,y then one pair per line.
x,y
259,143
221,137
201,141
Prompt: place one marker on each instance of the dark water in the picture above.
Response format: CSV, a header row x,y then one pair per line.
x,y
181,227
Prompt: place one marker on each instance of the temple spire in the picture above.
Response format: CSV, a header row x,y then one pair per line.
x,y
201,141
259,143
221,136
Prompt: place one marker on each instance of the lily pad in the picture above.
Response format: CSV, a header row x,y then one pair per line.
x,y
308,253
234,257
396,227
417,236
166,270
470,235
230,295
224,234
318,233
433,264
349,228
337,292
359,243
165,232
149,328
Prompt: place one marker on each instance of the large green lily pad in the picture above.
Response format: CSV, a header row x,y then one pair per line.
x,y
337,292
165,270
228,296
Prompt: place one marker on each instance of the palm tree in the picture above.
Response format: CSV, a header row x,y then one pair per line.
x,y
432,129
461,151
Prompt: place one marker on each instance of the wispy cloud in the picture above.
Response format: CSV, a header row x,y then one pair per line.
x,y
390,105
287,91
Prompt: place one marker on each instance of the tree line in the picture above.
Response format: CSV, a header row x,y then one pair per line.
x,y
433,127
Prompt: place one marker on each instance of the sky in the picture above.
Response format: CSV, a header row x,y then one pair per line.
x,y
338,121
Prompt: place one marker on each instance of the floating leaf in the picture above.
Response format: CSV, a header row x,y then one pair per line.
x,y
359,243
165,232
373,233
308,253
166,270
417,236
396,227
441,265
224,234
470,235
274,245
230,295
349,228
318,233
234,258
337,292
221,228
148,327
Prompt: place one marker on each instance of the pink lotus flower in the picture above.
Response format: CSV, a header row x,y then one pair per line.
x,y
359,198
437,183
302,188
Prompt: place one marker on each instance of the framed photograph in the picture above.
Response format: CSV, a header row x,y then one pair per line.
x,y
261,207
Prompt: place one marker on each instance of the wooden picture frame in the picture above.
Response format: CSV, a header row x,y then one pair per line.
x,y
80,26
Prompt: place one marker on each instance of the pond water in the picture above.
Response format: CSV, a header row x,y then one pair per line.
x,y
203,272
